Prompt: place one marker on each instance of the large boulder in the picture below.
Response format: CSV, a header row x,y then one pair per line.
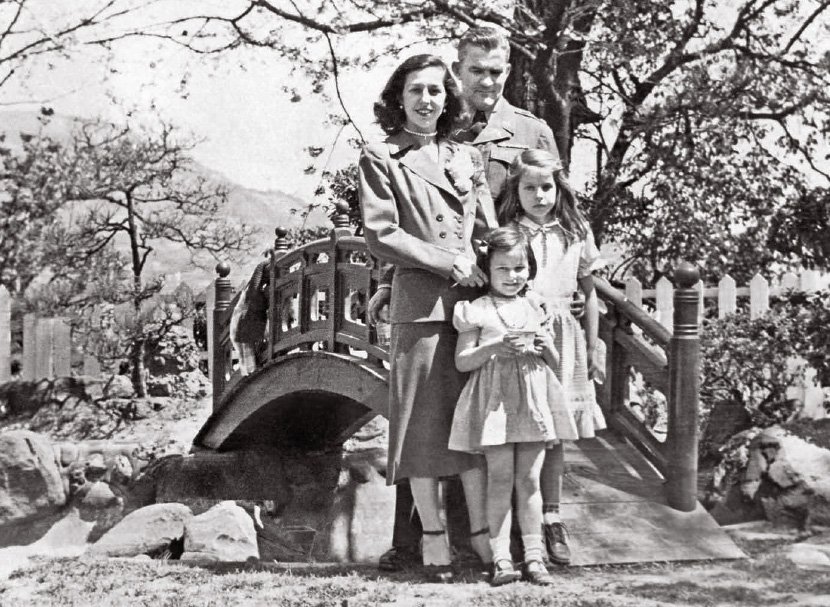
x,y
149,530
30,484
773,474
223,533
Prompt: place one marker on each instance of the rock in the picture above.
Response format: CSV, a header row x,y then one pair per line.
x,y
30,484
775,474
806,556
223,533
119,386
144,531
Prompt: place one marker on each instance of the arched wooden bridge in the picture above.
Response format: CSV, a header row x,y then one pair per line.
x,y
321,375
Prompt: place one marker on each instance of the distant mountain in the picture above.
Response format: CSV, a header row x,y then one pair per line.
x,y
264,210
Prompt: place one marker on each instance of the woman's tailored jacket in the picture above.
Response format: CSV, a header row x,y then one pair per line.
x,y
419,216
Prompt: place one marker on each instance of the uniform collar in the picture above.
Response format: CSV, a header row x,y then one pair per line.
x,y
499,125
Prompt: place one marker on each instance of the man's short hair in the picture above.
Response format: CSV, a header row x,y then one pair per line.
x,y
487,38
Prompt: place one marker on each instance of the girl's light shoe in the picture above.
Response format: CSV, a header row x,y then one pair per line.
x,y
504,573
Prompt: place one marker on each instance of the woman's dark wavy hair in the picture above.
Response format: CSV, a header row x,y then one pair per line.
x,y
389,110
567,210
503,240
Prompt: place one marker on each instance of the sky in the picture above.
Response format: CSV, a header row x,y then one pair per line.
x,y
251,131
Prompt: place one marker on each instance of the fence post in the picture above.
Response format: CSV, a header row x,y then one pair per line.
x,y
28,371
684,389
5,335
223,293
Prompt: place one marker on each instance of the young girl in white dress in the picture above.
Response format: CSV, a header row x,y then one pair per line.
x,y
512,405
540,203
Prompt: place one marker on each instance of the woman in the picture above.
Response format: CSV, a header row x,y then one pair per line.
x,y
424,199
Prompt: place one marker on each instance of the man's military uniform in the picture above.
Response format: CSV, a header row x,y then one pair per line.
x,y
507,133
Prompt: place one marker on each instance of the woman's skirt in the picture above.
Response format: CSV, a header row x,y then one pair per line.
x,y
424,386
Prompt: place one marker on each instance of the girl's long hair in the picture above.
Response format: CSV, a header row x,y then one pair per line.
x,y
567,210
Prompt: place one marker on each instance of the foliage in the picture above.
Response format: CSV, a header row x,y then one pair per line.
x,y
341,186
753,361
31,192
127,189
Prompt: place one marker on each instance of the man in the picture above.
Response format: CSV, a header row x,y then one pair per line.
x,y
500,132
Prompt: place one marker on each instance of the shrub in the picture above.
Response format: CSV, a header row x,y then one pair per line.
x,y
752,362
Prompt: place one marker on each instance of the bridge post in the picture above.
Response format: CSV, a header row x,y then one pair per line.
x,y
281,247
223,291
337,310
684,390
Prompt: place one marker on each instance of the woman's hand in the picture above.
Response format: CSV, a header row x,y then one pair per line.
x,y
596,366
378,308
466,273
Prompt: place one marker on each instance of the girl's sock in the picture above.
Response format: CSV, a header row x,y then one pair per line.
x,y
550,514
534,548
501,549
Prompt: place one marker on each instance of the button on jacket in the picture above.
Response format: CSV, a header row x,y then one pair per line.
x,y
406,200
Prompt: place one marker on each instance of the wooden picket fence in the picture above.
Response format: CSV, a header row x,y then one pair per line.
x,y
47,347
727,294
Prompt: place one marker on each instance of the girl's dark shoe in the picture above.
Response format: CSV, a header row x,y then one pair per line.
x,y
440,574
535,573
556,543
504,573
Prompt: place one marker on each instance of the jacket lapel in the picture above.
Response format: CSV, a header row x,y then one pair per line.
x,y
403,146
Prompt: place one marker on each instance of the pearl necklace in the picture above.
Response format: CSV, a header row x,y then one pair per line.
x,y
507,325
424,135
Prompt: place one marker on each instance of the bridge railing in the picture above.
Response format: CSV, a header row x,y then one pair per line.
x,y
317,300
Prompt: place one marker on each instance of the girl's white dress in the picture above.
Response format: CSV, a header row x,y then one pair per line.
x,y
510,399
559,266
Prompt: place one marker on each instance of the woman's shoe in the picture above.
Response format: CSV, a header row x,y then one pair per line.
x,y
436,556
399,558
535,573
504,573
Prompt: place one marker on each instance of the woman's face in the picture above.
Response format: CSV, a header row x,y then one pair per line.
x,y
423,99
537,194
509,272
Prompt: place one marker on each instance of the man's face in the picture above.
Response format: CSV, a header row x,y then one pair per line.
x,y
482,75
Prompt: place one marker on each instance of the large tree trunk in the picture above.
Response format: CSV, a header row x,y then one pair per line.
x,y
548,83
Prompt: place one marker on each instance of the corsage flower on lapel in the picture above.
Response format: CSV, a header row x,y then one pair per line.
x,y
460,169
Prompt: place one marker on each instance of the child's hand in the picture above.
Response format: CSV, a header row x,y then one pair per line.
x,y
506,345
543,342
596,366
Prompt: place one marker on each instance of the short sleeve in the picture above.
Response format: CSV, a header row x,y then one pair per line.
x,y
590,258
466,316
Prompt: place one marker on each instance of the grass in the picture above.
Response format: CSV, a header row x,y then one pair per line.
x,y
764,579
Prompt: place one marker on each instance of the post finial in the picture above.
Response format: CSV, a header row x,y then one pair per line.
x,y
686,275
341,214
281,241
223,269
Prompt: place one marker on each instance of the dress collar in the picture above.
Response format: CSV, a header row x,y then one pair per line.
x,y
533,228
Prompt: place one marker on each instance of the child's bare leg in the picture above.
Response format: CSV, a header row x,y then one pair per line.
x,y
499,490
528,469
475,494
529,460
552,472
